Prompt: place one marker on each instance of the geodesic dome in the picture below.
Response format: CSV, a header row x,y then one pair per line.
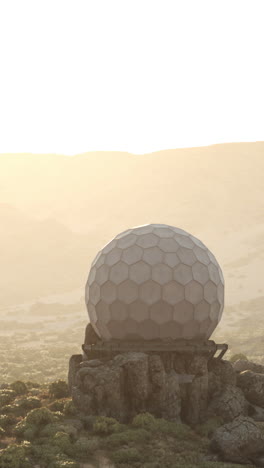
x,y
154,281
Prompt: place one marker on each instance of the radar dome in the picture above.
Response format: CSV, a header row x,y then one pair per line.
x,y
154,282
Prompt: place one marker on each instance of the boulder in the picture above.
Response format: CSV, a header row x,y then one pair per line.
x,y
256,412
220,374
229,404
240,441
252,385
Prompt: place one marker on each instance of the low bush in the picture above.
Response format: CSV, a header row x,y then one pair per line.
x,y
15,456
127,437
19,387
105,425
59,389
127,455
29,403
6,396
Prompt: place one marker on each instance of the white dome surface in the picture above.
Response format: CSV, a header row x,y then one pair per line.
x,y
155,281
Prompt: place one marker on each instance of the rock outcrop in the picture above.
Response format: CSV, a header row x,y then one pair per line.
x,y
133,382
178,387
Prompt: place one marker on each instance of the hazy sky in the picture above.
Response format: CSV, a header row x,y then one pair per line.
x,y
136,76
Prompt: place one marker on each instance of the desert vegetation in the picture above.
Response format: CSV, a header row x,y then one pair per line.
x,y
41,428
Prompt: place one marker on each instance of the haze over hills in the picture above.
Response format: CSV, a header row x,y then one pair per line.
x,y
57,211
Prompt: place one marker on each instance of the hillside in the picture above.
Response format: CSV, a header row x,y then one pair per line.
x,y
64,209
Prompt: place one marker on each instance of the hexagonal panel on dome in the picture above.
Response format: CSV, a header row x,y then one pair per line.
x,y
127,291
173,292
119,272
107,292
201,255
171,259
132,254
215,311
145,229
94,293
124,233
210,292
202,311
102,274
147,240
200,273
113,256
152,255
186,256
138,311
182,274
118,311
103,312
153,281
150,292
193,292
168,245
163,232
126,241
110,246
183,312
140,272
161,312
162,273
214,273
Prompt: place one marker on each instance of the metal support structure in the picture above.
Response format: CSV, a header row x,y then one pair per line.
x,y
106,348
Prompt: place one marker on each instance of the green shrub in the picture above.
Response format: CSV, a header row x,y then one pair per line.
x,y
57,405
59,389
84,447
145,421
11,409
128,436
26,430
29,403
106,425
15,456
70,408
236,357
126,455
19,387
7,420
62,440
6,396
2,432
45,453
42,416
